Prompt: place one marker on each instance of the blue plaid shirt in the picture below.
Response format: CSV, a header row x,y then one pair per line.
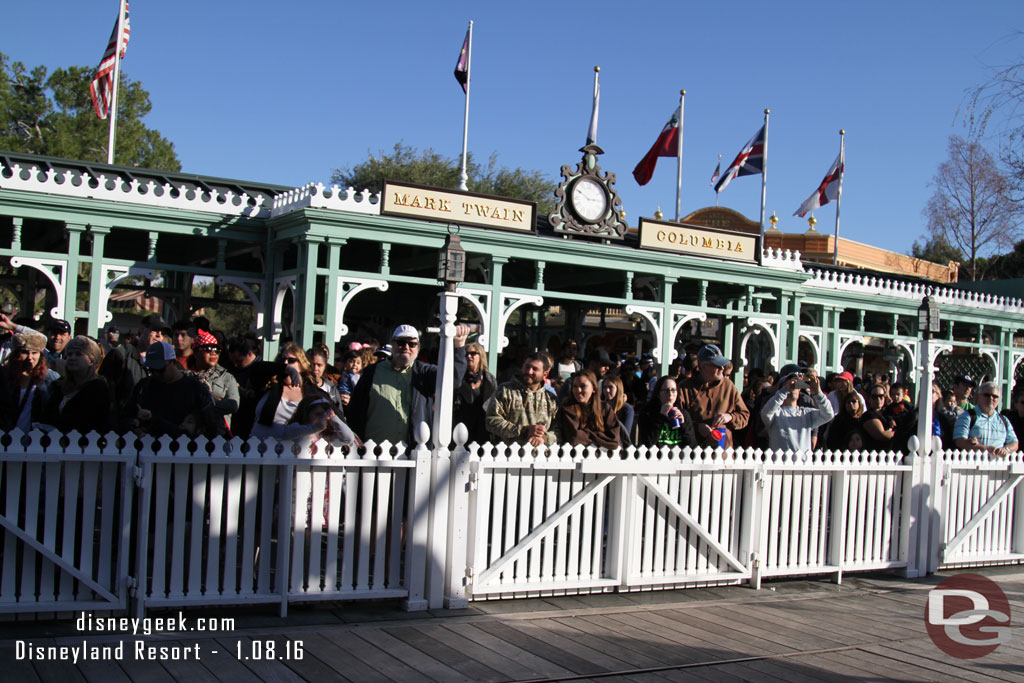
x,y
993,430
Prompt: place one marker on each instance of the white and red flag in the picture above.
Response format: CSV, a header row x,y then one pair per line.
x,y
102,86
667,145
750,160
828,189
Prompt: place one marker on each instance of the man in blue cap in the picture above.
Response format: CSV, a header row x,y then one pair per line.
x,y
712,400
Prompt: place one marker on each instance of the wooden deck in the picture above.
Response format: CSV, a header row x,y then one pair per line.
x,y
869,628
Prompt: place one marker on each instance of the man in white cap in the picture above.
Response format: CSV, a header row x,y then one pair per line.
x,y
397,393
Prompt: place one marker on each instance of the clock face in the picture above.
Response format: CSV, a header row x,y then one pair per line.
x,y
589,199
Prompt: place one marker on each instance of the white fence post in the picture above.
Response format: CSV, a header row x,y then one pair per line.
x,y
418,523
437,545
458,522
752,524
915,512
839,521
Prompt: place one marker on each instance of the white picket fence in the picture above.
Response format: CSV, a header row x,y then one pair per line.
x,y
89,523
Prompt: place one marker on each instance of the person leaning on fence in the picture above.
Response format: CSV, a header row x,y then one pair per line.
x,y
81,399
712,399
23,394
584,419
169,400
204,361
982,428
662,421
395,395
522,410
472,395
791,426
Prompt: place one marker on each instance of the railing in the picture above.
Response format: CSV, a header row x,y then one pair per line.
x,y
244,522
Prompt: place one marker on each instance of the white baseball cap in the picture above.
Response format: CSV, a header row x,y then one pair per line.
x,y
405,332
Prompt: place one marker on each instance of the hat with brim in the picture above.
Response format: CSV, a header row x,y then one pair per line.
x,y
405,332
158,355
709,353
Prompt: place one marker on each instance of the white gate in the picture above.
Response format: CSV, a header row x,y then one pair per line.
x,y
65,511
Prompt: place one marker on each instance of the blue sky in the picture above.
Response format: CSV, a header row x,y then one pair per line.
x,y
286,92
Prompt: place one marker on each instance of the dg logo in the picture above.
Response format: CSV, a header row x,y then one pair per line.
x,y
967,616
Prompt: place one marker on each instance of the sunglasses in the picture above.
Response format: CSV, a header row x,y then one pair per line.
x,y
472,353
408,344
291,360
991,395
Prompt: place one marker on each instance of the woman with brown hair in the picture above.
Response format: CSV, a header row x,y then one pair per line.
x,y
477,387
614,394
846,421
81,400
583,419
23,395
662,421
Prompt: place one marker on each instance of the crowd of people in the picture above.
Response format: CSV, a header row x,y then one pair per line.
x,y
188,379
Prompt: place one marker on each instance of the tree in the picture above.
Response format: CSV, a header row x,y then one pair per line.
x,y
972,208
1011,265
998,104
54,116
407,164
936,250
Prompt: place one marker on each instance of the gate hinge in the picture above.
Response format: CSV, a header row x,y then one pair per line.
x,y
474,481
132,584
469,572
137,473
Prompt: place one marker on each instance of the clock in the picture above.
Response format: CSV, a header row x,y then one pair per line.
x,y
588,204
589,199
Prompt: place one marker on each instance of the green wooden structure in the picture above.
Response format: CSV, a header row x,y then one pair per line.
x,y
315,261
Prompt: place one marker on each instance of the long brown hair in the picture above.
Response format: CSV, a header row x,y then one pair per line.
x,y
483,354
589,415
620,392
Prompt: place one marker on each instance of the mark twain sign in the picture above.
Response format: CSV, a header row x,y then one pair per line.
x,y
452,206
698,240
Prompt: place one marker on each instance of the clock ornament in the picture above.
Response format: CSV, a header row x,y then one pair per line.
x,y
587,202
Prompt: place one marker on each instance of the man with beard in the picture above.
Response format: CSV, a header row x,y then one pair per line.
x,y
522,410
394,395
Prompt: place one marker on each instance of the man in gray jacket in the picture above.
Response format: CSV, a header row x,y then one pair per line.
x,y
790,425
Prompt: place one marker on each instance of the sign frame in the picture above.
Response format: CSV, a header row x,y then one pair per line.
x,y
651,224
530,208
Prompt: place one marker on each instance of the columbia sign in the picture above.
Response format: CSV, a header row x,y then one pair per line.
x,y
967,616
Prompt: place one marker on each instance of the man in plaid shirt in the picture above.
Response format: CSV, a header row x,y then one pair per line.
x,y
982,428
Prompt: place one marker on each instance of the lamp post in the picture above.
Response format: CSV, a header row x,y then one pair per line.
x,y
929,325
451,270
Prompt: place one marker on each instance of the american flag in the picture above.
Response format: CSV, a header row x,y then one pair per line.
x,y
102,86
141,300
750,161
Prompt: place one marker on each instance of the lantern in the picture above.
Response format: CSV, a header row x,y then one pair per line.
x,y
451,263
928,322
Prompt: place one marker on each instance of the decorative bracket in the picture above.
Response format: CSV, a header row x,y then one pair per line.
x,y
247,286
844,342
348,287
281,285
111,276
994,357
756,326
509,303
56,271
480,299
652,315
814,339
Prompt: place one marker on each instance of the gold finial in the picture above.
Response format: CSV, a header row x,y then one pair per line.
x,y
773,219
622,214
658,215
597,68
767,111
683,93
842,132
812,221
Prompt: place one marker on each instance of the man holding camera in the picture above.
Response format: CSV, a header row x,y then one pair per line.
x,y
790,425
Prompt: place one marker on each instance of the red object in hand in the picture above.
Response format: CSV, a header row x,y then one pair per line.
x,y
719,436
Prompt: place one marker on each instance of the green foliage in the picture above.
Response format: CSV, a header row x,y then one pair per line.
x,y
407,164
937,250
230,318
54,116
1010,265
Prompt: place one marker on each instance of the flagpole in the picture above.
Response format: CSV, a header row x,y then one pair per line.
x,y
717,193
839,194
764,175
464,177
117,82
679,161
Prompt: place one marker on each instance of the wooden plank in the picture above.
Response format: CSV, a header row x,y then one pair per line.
x,y
420,661
594,637
931,658
220,658
140,671
344,667
551,649
455,659
15,669
682,621
537,666
362,647
724,625
896,668
789,669
764,620
676,646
